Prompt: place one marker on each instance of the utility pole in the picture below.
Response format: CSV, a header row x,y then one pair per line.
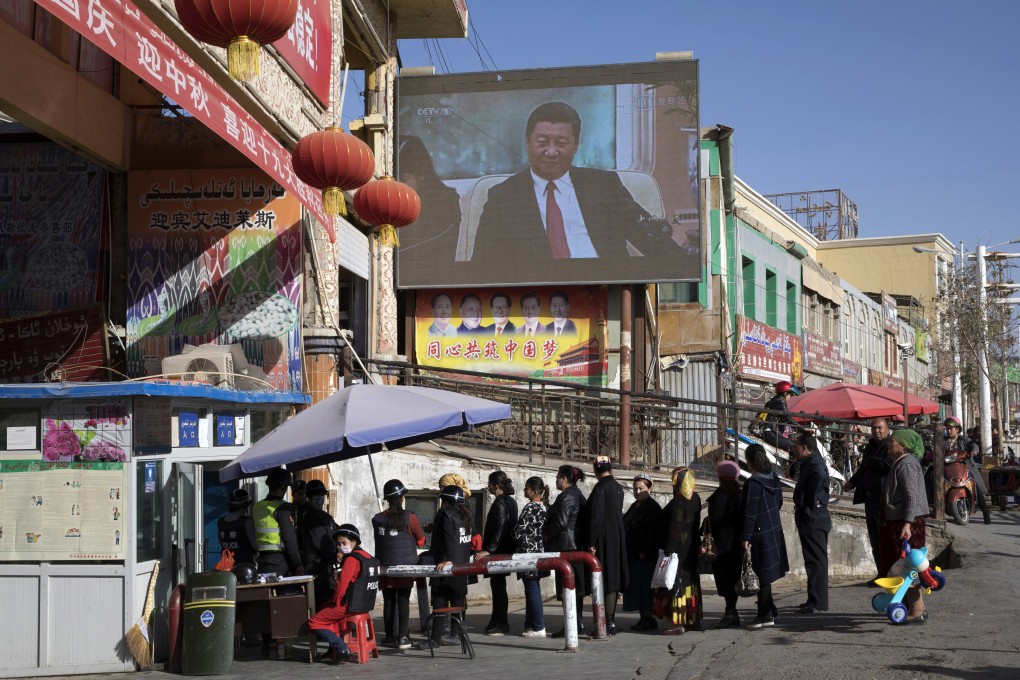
x,y
984,383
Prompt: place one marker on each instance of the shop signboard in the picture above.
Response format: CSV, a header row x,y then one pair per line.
x,y
51,211
121,30
822,356
187,429
69,346
921,345
214,257
853,373
541,332
767,352
308,46
889,317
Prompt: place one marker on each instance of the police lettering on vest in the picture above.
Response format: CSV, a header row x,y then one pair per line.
x,y
360,595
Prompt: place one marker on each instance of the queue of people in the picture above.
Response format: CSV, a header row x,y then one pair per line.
x,y
741,518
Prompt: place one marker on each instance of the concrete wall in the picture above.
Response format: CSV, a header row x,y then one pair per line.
x,y
420,468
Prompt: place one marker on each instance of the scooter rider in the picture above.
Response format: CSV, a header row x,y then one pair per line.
x,y
773,429
956,441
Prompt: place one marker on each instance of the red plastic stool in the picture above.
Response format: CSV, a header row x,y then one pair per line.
x,y
359,635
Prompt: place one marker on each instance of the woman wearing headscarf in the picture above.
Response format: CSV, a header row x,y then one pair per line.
x,y
680,534
605,535
725,521
762,531
904,509
641,524
561,532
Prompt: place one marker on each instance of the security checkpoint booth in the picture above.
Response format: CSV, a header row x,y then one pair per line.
x,y
100,483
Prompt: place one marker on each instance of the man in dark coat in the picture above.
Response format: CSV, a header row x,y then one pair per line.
x,y
318,548
866,483
811,514
605,535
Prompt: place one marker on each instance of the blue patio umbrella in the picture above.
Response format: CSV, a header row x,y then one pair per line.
x,y
360,420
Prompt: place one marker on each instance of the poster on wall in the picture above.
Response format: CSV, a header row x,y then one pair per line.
x,y
62,510
51,210
552,176
97,431
59,346
214,256
542,332
767,352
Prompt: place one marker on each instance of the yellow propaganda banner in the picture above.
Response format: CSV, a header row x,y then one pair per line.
x,y
542,332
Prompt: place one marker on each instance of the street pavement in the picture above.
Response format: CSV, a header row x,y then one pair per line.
x,y
971,634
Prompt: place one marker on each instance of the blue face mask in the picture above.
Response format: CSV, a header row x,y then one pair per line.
x,y
317,502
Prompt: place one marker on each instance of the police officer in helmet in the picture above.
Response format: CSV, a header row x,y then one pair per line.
x,y
276,537
236,529
451,544
398,535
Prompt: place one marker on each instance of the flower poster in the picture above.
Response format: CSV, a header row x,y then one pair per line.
x,y
96,431
62,511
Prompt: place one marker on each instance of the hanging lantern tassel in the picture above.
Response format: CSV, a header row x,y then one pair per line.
x,y
333,201
243,58
388,236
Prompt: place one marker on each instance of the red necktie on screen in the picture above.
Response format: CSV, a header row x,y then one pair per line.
x,y
554,224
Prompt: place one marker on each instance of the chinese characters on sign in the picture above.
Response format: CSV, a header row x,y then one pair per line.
x,y
308,46
822,356
120,29
768,352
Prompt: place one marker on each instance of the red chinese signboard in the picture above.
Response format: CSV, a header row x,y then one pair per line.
x,y
822,356
308,46
66,346
120,29
767,352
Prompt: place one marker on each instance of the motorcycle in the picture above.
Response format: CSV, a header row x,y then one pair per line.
x,y
737,443
959,487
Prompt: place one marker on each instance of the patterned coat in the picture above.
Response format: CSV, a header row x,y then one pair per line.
x,y
528,533
762,498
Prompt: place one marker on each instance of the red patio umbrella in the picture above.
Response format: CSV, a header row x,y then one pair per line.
x,y
859,402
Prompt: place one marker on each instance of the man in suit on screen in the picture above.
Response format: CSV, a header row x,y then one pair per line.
x,y
557,211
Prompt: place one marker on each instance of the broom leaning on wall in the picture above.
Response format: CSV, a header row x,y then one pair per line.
x,y
139,638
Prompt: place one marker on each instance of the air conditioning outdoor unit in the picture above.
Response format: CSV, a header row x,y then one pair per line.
x,y
217,365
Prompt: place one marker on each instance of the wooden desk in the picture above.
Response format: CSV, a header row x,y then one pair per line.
x,y
262,608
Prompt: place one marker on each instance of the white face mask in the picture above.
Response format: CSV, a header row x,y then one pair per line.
x,y
347,549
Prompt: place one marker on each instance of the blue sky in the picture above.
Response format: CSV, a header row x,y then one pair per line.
x,y
911,108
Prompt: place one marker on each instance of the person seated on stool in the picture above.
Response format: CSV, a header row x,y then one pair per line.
x,y
328,622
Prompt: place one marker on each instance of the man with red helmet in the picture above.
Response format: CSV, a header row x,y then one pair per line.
x,y
773,429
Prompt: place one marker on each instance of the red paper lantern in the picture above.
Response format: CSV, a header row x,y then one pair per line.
x,y
389,204
239,26
333,162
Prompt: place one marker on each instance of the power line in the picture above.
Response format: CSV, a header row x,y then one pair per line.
x,y
478,38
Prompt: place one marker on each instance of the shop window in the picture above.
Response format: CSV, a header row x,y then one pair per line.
x,y
229,429
189,428
148,509
771,301
264,422
747,273
19,429
677,293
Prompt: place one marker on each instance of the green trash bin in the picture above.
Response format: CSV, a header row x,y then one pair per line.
x,y
209,606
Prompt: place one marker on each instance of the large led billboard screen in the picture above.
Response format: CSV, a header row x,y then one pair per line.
x,y
551,176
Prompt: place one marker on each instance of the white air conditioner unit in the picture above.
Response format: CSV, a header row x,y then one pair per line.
x,y
218,365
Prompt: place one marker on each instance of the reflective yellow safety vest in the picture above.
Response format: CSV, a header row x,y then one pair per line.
x,y
267,529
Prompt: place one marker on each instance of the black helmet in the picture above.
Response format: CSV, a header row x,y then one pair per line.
x,y
245,572
278,478
393,489
452,493
238,498
315,488
348,530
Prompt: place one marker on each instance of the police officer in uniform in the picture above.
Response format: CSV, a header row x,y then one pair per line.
x,y
451,544
398,535
811,515
237,530
276,537
318,549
